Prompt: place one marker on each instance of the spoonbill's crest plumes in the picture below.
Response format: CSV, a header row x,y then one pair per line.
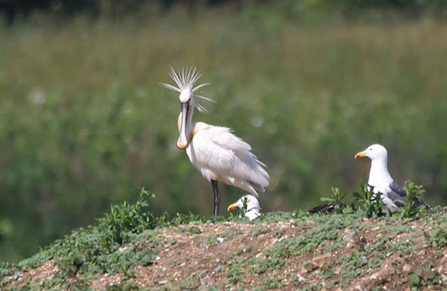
x,y
185,80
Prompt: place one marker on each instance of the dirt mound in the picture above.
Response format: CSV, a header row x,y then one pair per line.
x,y
339,252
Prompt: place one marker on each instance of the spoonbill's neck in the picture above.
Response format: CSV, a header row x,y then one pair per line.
x,y
189,124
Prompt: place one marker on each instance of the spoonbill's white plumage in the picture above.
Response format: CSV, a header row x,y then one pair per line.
x,y
252,210
214,150
393,194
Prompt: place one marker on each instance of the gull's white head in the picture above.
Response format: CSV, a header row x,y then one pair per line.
x,y
375,152
250,204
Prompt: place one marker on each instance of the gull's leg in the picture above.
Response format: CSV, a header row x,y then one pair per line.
x,y
216,197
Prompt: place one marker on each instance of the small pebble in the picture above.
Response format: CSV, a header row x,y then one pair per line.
x,y
351,236
218,269
17,274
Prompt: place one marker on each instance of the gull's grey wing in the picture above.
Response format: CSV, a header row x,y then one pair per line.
x,y
398,193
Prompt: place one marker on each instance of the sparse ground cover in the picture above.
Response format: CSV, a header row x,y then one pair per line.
x,y
279,250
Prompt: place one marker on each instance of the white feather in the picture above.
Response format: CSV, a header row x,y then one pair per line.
x,y
253,208
220,155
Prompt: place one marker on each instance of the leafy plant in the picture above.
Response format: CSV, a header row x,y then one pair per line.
x,y
438,238
5,268
234,274
167,220
410,208
424,277
273,283
327,270
244,207
336,200
194,230
260,230
126,218
369,202
99,248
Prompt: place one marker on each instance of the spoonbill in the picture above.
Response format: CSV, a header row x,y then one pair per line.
x,y
393,194
253,209
214,150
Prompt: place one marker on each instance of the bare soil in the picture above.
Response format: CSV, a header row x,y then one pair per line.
x,y
230,256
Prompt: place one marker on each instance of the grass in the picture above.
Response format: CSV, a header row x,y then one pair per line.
x,y
83,118
99,249
424,277
437,238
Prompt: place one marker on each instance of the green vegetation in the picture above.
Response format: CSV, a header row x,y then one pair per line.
x,y
437,238
83,119
260,230
117,243
101,249
371,204
336,200
414,192
126,219
273,283
426,276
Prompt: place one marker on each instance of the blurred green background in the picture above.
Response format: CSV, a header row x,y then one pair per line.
x,y
84,122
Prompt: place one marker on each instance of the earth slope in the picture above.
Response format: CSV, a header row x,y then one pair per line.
x,y
279,251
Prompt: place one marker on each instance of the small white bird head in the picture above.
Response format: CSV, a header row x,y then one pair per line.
x,y
186,96
185,80
374,152
250,204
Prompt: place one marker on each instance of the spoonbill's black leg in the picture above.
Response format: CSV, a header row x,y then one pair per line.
x,y
216,197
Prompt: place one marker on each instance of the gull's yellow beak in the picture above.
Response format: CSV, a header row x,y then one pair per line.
x,y
360,155
233,207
